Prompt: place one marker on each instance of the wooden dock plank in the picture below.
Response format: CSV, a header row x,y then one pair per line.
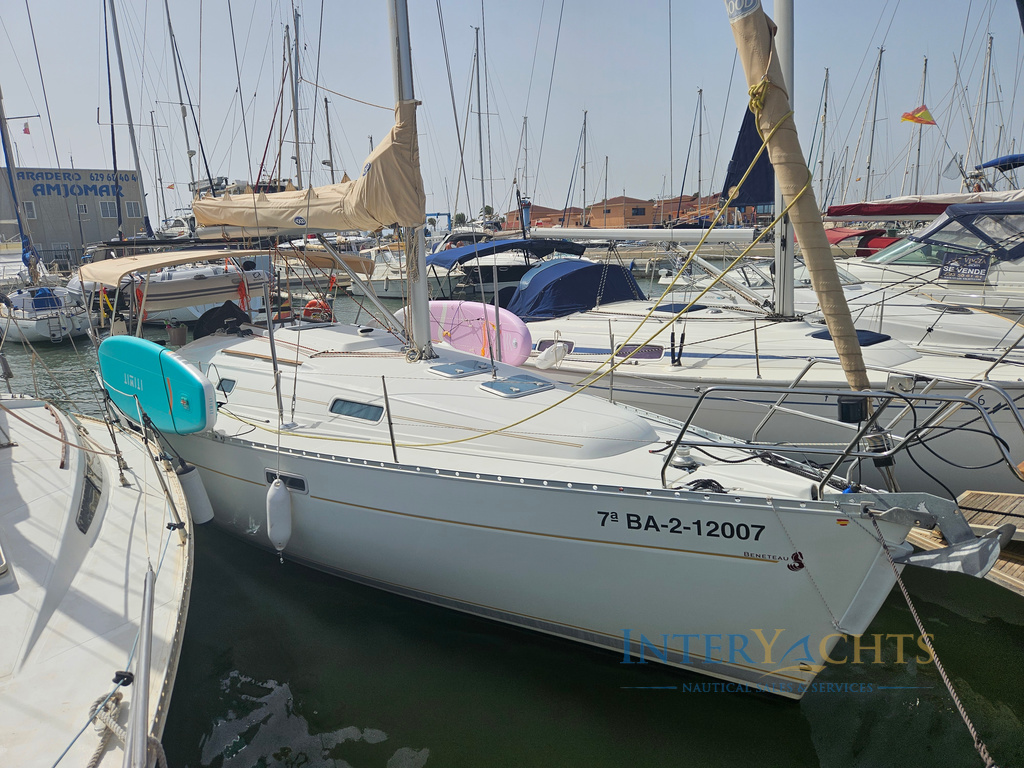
x,y
984,511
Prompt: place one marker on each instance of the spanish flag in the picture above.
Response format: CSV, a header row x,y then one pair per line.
x,y
920,115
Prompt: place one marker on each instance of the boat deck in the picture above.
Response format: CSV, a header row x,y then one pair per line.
x,y
986,511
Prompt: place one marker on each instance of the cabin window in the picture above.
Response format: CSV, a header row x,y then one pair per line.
x,y
30,209
295,483
355,410
639,211
226,385
108,209
638,352
132,209
83,208
92,489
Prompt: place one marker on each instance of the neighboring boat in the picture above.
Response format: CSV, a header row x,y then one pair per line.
x,y
175,292
477,271
305,265
95,573
479,487
971,255
36,315
390,273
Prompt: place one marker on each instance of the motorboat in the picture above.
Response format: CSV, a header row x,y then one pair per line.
x,y
971,255
176,293
42,314
95,572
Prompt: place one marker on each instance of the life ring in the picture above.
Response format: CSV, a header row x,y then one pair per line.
x,y
316,309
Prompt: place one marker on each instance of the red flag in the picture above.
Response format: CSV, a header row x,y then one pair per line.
x,y
170,186
920,115
25,129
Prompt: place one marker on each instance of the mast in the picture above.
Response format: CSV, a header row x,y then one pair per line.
x,y
671,132
285,69
181,103
479,120
821,162
920,128
984,109
605,206
398,18
700,130
131,125
159,179
583,216
874,117
330,147
295,100
784,267
526,158
753,40
5,138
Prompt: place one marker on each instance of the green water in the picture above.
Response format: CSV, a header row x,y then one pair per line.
x,y
285,666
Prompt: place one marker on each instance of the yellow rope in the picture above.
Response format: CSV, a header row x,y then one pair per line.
x,y
587,381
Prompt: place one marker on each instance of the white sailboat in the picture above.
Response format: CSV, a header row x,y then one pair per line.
x,y
94,588
42,314
473,485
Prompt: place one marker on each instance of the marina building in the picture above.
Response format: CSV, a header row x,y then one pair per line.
x,y
66,208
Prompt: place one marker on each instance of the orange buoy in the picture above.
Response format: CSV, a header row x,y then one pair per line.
x,y
316,309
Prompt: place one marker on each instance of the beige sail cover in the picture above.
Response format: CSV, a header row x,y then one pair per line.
x,y
388,191
753,32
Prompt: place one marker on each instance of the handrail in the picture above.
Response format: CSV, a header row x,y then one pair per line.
x,y
137,748
943,407
931,380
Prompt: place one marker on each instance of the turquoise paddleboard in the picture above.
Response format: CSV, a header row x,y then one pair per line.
x,y
175,396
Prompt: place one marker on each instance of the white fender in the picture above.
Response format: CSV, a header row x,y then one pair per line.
x,y
279,514
199,506
553,355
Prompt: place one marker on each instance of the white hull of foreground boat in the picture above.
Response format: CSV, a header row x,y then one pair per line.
x,y
71,601
575,561
561,525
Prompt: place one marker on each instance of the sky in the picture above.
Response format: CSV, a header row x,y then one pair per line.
x,y
646,74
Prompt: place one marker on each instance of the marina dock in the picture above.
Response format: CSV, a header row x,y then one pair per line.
x,y
986,511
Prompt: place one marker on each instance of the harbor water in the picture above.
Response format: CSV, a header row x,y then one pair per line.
x,y
286,666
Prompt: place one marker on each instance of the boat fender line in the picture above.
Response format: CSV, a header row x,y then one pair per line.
x,y
198,499
279,515
979,745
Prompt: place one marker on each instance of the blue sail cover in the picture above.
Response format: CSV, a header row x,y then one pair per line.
x,y
535,247
759,188
562,286
1004,163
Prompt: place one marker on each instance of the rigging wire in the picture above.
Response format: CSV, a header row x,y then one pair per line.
x,y
551,81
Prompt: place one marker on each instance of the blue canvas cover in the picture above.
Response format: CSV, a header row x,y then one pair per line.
x,y
535,247
560,287
44,299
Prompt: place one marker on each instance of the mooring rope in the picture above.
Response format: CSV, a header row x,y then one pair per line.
x,y
979,745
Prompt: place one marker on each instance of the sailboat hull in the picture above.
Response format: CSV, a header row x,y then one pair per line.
x,y
649,575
